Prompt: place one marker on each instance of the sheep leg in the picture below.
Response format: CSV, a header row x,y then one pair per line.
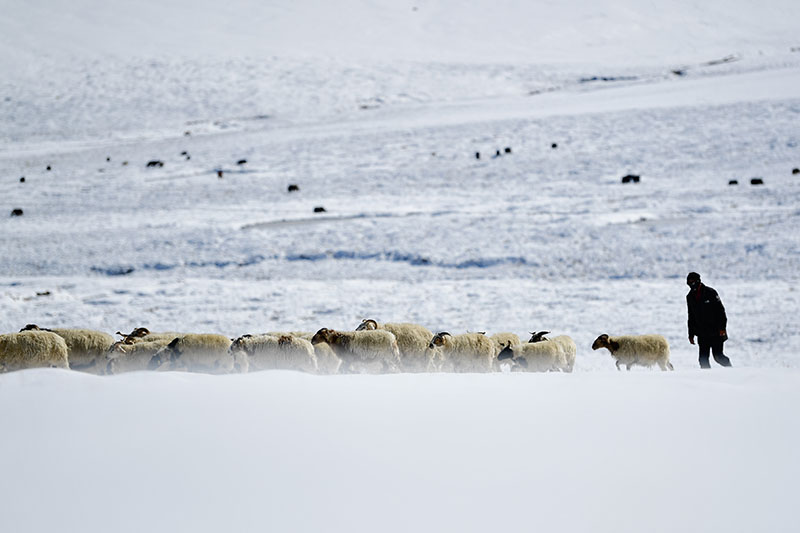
x,y
618,367
628,366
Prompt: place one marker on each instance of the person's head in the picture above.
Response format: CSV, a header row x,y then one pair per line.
x,y
693,280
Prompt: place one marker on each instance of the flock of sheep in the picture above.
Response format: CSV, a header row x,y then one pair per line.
x,y
372,348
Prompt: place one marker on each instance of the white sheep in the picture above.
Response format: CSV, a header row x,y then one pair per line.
x,y
195,352
133,356
629,350
32,349
268,352
468,352
86,348
413,342
327,361
362,352
541,354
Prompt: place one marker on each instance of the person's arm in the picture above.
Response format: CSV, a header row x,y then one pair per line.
x,y
690,323
721,317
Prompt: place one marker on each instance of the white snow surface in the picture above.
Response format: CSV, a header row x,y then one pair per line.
x,y
376,110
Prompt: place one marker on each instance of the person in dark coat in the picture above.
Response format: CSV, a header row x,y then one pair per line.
x,y
707,321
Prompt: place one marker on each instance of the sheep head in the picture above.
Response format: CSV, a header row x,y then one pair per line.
x,y
506,353
168,354
438,339
367,324
537,336
238,345
604,342
323,335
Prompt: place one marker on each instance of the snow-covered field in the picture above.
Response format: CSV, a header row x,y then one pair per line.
x,y
376,109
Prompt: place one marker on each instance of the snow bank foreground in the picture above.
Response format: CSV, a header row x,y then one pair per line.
x,y
280,451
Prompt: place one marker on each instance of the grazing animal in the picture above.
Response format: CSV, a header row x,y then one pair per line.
x,y
508,149
293,188
630,178
16,212
86,348
468,352
193,352
756,181
155,163
796,171
412,341
629,350
733,182
541,354
134,356
501,340
319,209
241,162
362,352
32,349
269,352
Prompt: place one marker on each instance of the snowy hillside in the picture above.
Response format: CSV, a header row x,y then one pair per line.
x,y
376,111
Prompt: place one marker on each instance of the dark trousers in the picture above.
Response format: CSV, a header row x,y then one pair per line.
x,y
713,344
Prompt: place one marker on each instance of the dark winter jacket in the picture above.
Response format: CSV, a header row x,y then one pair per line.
x,y
706,313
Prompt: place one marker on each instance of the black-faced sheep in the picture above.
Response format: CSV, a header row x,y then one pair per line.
x,y
268,352
194,352
468,352
501,340
541,354
413,342
629,350
32,349
362,352
134,356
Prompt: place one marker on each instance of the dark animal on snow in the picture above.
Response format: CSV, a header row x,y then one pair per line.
x,y
630,178
796,171
241,162
155,163
733,182
477,155
508,150
293,188
554,146
319,209
22,179
756,181
16,212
